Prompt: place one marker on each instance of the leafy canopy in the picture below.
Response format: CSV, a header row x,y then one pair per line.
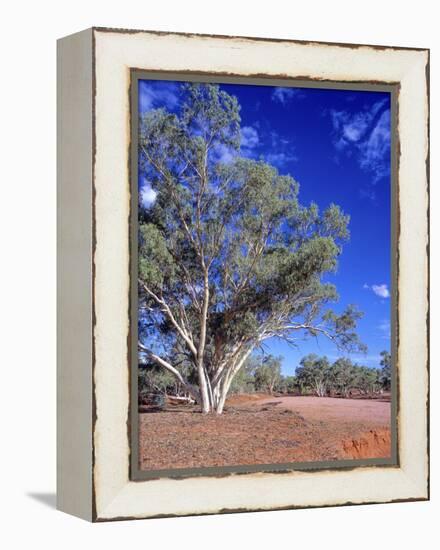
x,y
228,256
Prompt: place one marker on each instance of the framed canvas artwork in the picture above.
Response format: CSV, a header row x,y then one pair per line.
x,y
243,274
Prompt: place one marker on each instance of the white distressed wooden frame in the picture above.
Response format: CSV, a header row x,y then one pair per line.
x,y
93,263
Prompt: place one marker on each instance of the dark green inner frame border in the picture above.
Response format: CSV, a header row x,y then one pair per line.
x,y
135,473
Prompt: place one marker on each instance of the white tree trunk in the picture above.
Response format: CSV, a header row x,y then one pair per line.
x,y
222,394
212,392
205,401
320,388
222,388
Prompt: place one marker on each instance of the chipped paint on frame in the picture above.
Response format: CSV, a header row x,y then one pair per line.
x,y
100,513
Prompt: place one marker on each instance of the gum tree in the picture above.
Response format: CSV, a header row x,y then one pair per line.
x,y
228,257
385,373
343,375
315,373
268,373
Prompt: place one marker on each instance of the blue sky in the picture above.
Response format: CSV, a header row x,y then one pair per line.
x,y
336,144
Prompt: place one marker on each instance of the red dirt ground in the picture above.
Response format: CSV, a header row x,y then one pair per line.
x,y
332,408
261,429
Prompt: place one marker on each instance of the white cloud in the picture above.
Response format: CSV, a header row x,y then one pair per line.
x,y
381,290
279,159
249,137
385,328
375,149
158,94
280,151
282,95
366,136
249,141
367,193
147,195
222,153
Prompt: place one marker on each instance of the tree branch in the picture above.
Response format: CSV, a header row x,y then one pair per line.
x,y
166,309
191,389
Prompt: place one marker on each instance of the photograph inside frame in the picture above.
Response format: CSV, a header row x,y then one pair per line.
x,y
264,285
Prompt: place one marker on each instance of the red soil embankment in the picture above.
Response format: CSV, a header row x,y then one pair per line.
x,y
372,444
373,416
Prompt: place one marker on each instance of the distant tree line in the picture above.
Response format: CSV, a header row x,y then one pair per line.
x,y
319,376
262,373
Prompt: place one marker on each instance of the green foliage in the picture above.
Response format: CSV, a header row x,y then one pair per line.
x,y
268,373
367,380
385,373
212,114
343,376
155,261
314,372
262,373
288,384
344,326
153,381
244,380
227,251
